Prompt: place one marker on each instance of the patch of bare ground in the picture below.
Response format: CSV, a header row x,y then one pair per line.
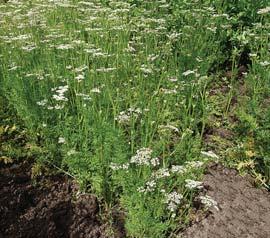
x,y
244,210
51,210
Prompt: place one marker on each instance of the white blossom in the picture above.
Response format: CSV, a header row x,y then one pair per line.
x,y
210,154
71,152
170,127
154,162
173,79
173,200
264,63
178,169
115,166
60,97
124,117
263,10
105,70
161,173
61,140
58,107
192,184
95,90
188,72
42,102
60,91
84,96
142,157
64,47
28,48
80,77
168,91
194,164
149,187
209,202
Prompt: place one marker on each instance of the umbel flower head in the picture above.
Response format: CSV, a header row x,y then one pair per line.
x,y
142,157
192,184
263,10
209,202
173,199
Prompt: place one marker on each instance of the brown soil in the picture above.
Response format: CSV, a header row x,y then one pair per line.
x,y
47,210
244,211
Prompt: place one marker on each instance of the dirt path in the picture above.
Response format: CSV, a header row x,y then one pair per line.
x,y
244,211
46,210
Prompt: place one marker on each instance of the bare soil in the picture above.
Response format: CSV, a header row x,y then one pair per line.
x,y
52,208
244,210
44,210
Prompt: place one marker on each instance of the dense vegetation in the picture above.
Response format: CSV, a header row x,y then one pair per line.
x,y
121,94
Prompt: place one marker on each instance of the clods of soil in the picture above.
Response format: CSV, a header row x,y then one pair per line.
x,y
51,210
244,211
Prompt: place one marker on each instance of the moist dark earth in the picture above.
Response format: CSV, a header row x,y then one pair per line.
x,y
244,211
47,210
51,208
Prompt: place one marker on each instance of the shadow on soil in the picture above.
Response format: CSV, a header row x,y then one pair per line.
x,y
50,210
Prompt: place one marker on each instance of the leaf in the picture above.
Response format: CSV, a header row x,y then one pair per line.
x,y
246,164
6,128
6,160
13,128
250,153
2,130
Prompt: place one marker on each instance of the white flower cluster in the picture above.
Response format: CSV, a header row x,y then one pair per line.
x,y
146,70
28,48
188,72
142,157
173,200
168,91
209,154
209,202
59,96
60,93
173,79
161,173
168,127
79,71
192,184
124,117
264,63
263,10
105,70
95,90
42,102
80,77
179,169
149,187
194,164
115,166
61,140
154,161
72,152
65,47
85,97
